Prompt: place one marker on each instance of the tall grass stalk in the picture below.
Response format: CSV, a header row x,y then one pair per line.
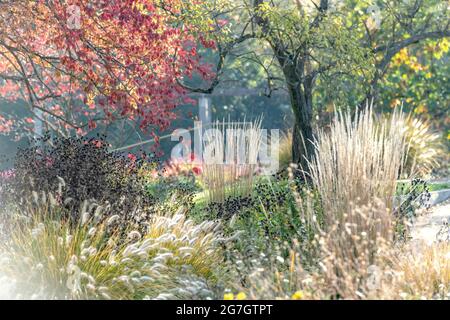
x,y
231,169
355,170
357,161
351,260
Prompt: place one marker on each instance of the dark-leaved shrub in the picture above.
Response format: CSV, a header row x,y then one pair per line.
x,y
79,169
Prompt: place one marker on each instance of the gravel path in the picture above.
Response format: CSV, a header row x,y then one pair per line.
x,y
428,225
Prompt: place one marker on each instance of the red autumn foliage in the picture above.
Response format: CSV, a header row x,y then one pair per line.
x,y
121,58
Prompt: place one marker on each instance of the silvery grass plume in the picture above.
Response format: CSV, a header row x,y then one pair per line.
x,y
355,169
190,287
48,257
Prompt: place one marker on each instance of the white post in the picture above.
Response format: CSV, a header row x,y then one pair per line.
x,y
204,110
38,125
204,116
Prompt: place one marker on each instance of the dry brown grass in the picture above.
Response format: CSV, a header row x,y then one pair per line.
x,y
353,254
351,261
355,169
393,273
424,271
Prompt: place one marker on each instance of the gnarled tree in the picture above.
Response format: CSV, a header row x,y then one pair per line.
x,y
323,41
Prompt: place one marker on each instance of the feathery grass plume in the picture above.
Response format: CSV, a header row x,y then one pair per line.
x,y
413,271
233,149
353,253
355,170
285,150
48,257
425,147
358,161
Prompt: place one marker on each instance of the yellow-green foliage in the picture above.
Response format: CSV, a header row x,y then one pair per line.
x,y
48,258
285,150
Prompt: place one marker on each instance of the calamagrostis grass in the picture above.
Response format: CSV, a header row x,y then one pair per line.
x,y
350,260
357,161
353,252
354,169
233,149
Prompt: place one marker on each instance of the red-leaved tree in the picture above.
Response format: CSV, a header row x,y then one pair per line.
x,y
79,62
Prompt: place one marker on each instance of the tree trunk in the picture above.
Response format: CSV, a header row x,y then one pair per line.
x,y
302,136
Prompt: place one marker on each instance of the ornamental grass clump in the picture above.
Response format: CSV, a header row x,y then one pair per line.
x,y
48,257
424,270
355,169
353,253
349,261
232,159
357,161
425,147
413,271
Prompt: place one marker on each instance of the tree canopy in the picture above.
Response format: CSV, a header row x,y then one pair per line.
x,y
120,58
79,63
